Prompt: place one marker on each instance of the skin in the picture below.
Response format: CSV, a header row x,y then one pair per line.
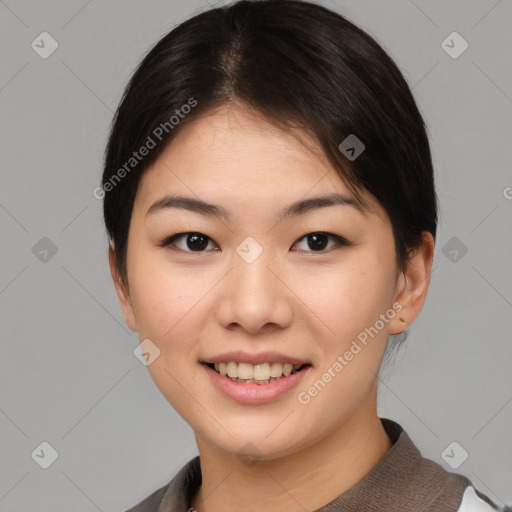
x,y
292,299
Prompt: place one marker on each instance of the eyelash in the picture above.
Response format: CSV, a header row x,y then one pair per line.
x,y
167,242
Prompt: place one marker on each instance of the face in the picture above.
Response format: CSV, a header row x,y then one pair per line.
x,y
309,286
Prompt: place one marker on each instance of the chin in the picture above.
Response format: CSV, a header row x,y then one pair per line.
x,y
255,444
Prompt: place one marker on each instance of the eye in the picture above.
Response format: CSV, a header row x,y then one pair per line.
x,y
198,242
194,242
318,241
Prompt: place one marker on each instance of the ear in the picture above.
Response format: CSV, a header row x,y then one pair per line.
x,y
413,285
122,293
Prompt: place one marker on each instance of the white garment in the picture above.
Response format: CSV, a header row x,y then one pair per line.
x,y
472,503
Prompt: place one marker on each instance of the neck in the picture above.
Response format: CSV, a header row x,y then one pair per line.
x,y
333,465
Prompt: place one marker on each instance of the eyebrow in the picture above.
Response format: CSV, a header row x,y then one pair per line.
x,y
295,209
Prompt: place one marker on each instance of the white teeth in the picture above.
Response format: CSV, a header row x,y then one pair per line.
x,y
245,371
287,369
258,372
232,369
276,370
262,372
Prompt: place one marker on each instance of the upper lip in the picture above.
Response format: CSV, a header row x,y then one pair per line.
x,y
263,357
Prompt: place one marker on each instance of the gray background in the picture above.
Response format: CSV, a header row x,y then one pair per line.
x,y
68,373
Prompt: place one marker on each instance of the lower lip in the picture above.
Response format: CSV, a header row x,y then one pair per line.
x,y
247,393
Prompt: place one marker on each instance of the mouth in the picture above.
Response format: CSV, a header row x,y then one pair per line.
x,y
263,373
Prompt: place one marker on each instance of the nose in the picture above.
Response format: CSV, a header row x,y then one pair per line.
x,y
254,296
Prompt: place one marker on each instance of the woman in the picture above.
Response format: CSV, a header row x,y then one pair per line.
x,y
270,200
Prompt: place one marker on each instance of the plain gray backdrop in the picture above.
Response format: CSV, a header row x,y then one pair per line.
x,y
69,376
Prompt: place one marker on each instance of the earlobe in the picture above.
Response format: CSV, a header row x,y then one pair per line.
x,y
123,294
413,286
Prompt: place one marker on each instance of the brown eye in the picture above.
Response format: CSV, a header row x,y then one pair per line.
x,y
193,241
198,242
317,242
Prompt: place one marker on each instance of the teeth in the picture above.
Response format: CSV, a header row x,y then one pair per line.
x,y
245,371
232,369
258,372
261,372
276,370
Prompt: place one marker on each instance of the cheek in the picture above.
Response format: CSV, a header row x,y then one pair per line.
x,y
351,352
346,299
170,309
168,304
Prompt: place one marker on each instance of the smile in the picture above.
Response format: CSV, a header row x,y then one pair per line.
x,y
263,387
263,373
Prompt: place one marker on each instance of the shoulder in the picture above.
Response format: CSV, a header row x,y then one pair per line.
x,y
151,503
475,501
177,493
423,484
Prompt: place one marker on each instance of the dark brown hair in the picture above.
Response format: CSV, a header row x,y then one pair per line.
x,y
300,65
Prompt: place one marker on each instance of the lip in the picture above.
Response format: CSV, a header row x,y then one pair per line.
x,y
253,394
263,357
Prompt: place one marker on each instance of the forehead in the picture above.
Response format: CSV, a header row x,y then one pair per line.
x,y
237,155
241,141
